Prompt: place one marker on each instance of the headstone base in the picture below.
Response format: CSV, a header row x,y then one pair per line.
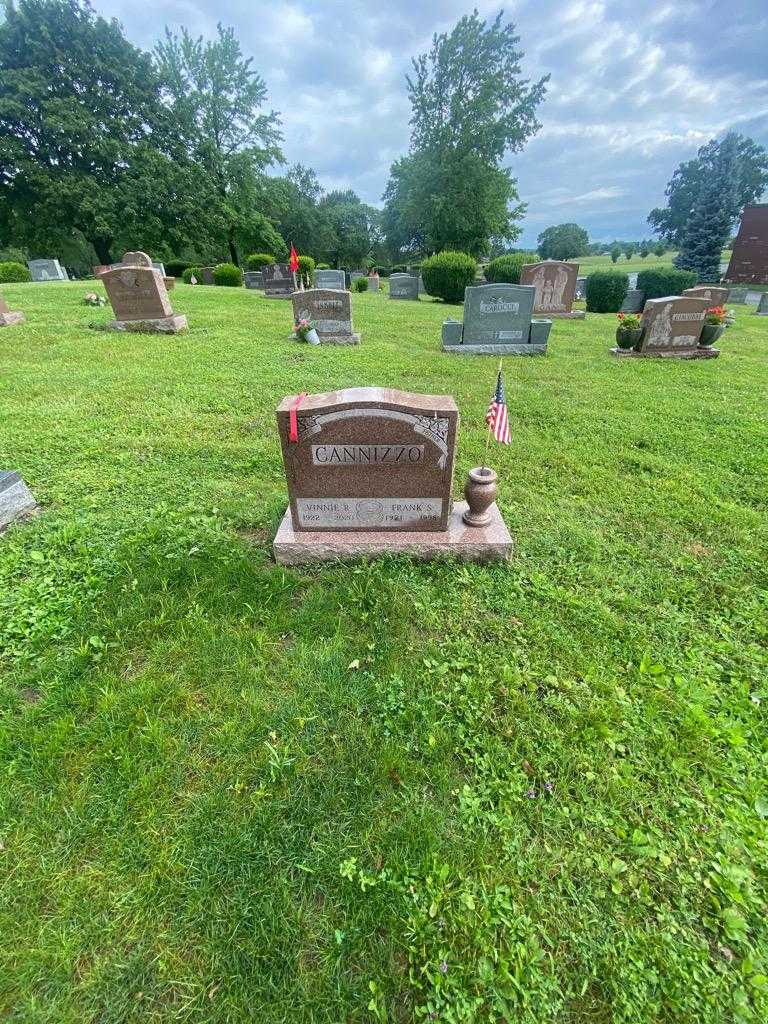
x,y
339,339
6,319
689,353
161,325
491,543
575,314
268,296
496,350
16,499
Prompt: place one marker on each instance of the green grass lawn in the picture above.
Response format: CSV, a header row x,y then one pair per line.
x,y
234,793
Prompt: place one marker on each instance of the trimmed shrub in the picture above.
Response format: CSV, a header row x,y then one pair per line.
x,y
399,268
259,260
360,284
606,290
447,274
323,266
307,268
662,281
228,275
12,272
191,272
384,271
176,268
507,269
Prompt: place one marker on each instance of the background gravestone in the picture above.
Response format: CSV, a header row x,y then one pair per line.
x,y
278,281
762,306
498,321
404,286
9,317
581,288
749,257
370,459
331,311
206,275
373,282
738,296
330,279
15,498
555,284
672,327
633,302
139,297
158,267
714,295
253,279
47,270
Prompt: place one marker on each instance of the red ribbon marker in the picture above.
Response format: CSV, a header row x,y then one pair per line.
x,y
293,423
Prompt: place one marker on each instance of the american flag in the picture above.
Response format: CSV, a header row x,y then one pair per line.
x,y
496,417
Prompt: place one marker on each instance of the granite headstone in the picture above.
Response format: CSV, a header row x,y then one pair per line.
x,y
404,286
15,498
672,326
762,306
330,279
206,275
633,302
331,311
278,281
47,270
498,321
139,297
8,317
714,295
555,284
253,279
738,296
373,282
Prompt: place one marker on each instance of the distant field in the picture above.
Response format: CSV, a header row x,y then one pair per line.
x,y
588,263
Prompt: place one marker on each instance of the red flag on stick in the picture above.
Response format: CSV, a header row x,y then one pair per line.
x,y
294,264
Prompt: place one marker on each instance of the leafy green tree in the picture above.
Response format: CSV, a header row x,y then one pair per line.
x,y
562,242
615,251
645,249
629,249
691,179
659,249
291,202
470,106
709,224
86,147
354,228
217,97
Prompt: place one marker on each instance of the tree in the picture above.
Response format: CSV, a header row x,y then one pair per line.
x,y
470,106
709,224
690,180
291,202
615,252
86,145
563,242
216,98
659,249
644,250
354,228
629,249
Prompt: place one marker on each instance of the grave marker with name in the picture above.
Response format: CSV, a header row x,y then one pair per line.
x,y
278,281
714,295
672,329
330,279
404,286
139,297
497,321
331,311
555,284
47,270
253,279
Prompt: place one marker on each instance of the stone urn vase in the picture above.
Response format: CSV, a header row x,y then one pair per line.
x,y
709,334
480,490
628,337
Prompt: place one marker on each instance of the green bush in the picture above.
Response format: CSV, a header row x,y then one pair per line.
x,y
13,272
191,272
662,281
507,269
259,260
323,266
360,284
228,275
12,254
447,274
606,290
307,268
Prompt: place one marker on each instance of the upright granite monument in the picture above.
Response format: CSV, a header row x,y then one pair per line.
x,y
497,321
749,258
555,285
714,295
330,279
278,281
634,301
762,306
9,317
331,311
404,286
253,279
47,270
139,297
206,276
370,471
16,499
672,329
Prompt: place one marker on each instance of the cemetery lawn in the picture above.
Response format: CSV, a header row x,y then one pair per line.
x,y
233,792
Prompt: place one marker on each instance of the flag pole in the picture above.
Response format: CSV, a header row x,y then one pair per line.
x,y
488,435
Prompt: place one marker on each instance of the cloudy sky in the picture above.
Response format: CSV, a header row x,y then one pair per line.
x,y
637,86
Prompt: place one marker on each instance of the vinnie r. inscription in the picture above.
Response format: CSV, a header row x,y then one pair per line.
x,y
369,459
